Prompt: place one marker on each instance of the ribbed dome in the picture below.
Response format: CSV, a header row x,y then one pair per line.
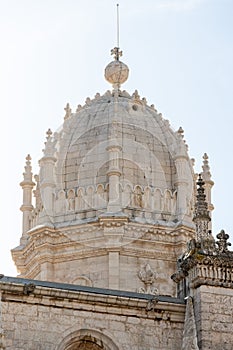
x,y
119,135
113,198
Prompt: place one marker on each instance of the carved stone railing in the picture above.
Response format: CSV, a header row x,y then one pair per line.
x,y
86,202
206,262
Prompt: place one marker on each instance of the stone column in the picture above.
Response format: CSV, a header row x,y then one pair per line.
x,y
114,173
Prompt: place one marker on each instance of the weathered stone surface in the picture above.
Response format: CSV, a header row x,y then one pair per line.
x,y
53,318
190,333
113,208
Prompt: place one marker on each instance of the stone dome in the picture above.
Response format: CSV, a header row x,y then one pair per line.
x,y
113,198
116,154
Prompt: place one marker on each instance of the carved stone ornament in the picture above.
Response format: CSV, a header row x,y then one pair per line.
x,y
28,288
148,277
2,340
151,305
206,262
222,242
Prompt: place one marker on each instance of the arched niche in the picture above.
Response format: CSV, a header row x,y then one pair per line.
x,y
87,339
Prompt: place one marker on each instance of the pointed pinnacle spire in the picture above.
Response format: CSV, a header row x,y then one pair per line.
x,y
206,168
49,149
28,169
201,212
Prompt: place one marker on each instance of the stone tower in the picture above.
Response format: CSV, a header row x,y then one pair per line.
x,y
116,251
114,196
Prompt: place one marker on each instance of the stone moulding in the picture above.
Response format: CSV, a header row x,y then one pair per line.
x,y
72,296
54,245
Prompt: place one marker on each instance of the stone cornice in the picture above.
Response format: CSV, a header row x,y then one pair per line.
x,y
92,299
59,245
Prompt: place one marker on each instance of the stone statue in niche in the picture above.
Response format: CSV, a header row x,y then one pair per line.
x,y
148,277
138,197
79,200
71,200
147,198
61,204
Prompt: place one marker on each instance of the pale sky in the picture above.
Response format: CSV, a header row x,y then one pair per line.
x,y
180,55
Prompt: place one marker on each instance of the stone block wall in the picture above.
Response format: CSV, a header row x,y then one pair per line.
x,y
53,319
213,308
36,327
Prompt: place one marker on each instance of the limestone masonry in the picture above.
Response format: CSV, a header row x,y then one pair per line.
x,y
116,251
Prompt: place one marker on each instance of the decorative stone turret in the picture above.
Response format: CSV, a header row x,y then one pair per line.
x,y
47,179
27,185
181,183
206,175
206,261
201,213
206,266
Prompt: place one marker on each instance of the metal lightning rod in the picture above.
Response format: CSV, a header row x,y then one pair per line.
x,y
118,31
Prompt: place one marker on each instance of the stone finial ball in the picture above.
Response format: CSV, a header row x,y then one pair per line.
x,y
116,72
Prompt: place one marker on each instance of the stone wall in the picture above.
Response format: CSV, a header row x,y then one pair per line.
x,y
213,308
54,319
